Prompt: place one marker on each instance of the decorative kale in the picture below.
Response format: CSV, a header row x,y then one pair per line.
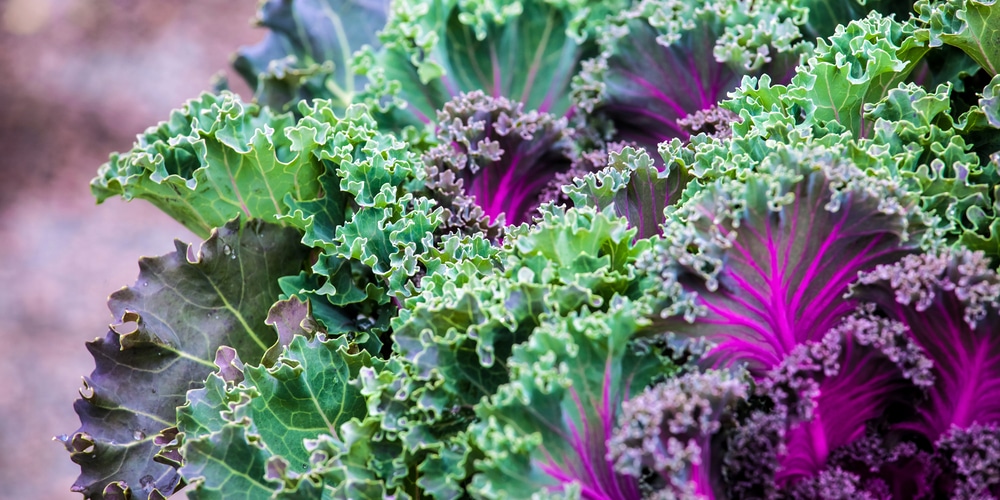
x,y
634,186
960,338
969,25
443,259
170,325
215,159
669,429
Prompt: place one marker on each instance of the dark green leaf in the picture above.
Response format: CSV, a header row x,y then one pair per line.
x,y
171,322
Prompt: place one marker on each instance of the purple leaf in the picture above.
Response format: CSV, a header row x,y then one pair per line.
x,y
825,398
950,304
499,154
969,461
831,390
172,322
670,428
762,266
635,188
662,62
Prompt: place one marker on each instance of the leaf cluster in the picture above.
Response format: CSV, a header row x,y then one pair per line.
x,y
574,249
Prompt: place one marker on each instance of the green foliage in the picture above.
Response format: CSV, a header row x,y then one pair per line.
x,y
215,158
308,54
266,420
455,338
970,25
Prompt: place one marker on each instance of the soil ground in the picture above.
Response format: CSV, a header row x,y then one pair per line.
x,y
78,80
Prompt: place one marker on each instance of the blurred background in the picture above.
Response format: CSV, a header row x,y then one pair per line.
x,y
78,80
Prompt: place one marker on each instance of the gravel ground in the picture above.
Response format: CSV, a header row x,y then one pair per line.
x,y
78,80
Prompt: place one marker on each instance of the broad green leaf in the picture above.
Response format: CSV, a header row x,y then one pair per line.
x,y
228,464
276,410
305,394
971,25
183,306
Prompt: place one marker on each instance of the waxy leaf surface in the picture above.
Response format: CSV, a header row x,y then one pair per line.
x,y
171,323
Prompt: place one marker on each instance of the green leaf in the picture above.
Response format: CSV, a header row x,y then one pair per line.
x,y
990,102
170,324
227,464
633,187
460,334
859,64
910,133
306,394
308,54
548,428
216,158
971,25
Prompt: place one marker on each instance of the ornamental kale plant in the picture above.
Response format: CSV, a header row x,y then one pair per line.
x,y
688,249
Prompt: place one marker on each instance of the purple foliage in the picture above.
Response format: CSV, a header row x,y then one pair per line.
x,y
848,416
814,437
774,258
500,155
752,451
969,462
887,467
589,465
949,304
655,86
669,429
660,67
830,390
